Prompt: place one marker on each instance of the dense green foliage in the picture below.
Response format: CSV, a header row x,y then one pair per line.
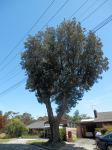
x,y
26,118
104,130
77,117
63,62
63,134
15,128
61,65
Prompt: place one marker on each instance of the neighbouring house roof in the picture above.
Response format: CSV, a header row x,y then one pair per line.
x,y
100,117
103,117
37,125
45,124
41,125
88,120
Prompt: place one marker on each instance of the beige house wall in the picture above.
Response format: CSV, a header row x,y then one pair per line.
x,y
71,134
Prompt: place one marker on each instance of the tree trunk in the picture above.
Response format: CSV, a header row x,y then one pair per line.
x,y
55,135
54,124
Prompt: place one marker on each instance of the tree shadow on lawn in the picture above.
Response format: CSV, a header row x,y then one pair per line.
x,y
18,147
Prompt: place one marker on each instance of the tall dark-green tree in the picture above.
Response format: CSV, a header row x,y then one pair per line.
x,y
77,117
61,64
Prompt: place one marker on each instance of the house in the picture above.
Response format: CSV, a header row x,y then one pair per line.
x,y
43,128
39,127
86,128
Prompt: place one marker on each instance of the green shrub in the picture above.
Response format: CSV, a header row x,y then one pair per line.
x,y
106,129
15,128
41,134
109,129
102,130
63,133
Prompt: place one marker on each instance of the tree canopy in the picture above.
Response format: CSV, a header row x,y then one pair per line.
x,y
15,128
61,64
26,118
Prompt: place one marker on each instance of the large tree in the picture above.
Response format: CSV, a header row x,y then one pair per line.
x,y
61,64
26,118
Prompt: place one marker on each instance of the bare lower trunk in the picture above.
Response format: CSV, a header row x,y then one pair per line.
x,y
55,135
54,124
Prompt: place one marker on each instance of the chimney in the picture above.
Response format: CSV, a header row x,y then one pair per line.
x,y
95,113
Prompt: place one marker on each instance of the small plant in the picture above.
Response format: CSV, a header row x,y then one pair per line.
x,y
15,128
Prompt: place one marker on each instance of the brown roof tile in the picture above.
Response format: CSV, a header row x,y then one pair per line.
x,y
104,117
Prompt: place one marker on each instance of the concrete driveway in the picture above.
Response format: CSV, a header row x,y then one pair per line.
x,y
81,144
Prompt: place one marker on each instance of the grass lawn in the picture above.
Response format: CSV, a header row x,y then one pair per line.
x,y
3,141
29,136
45,144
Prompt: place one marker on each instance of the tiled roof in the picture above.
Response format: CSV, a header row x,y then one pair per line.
x,y
37,125
103,117
43,124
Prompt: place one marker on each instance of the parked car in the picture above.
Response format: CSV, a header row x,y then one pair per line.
x,y
104,142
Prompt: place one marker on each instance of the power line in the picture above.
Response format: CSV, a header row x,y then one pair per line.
x,y
9,78
35,23
4,67
62,6
9,62
12,59
102,24
79,9
12,87
92,5
99,6
10,72
22,81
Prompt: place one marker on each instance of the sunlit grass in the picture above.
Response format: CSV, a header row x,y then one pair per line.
x,y
4,140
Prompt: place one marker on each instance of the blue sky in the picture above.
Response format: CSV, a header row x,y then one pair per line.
x,y
17,17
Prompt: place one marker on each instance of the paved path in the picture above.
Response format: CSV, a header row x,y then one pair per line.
x,y
18,147
18,144
20,141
